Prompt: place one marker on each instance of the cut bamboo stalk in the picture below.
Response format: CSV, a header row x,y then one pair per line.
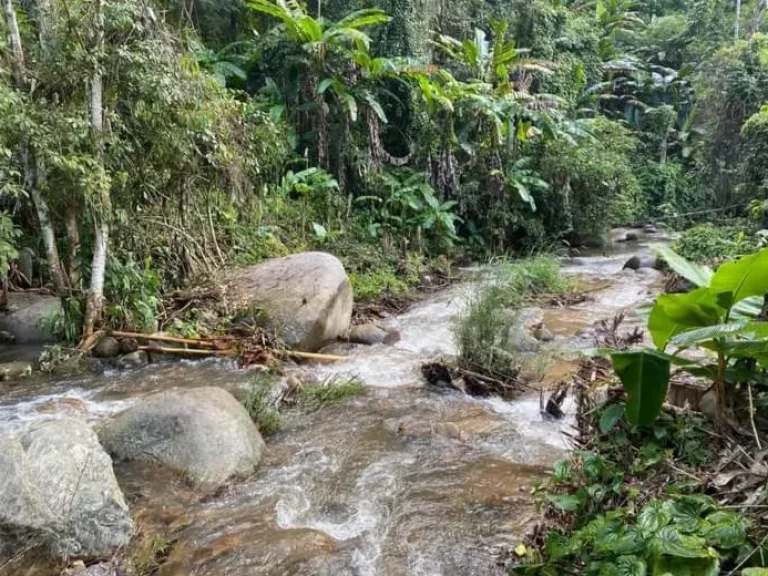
x,y
314,356
187,351
161,338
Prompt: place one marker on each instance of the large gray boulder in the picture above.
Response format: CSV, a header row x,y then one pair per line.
x,y
307,297
637,262
58,491
28,315
203,433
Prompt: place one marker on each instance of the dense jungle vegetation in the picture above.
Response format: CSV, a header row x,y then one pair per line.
x,y
145,146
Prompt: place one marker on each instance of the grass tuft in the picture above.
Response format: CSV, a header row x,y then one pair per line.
x,y
334,390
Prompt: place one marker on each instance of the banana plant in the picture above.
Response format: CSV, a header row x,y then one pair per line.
x,y
718,317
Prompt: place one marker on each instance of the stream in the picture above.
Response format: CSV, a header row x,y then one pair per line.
x,y
400,481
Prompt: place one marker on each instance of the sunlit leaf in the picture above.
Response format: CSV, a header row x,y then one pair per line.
x,y
645,377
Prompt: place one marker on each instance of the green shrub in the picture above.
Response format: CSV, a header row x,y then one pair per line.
x,y
708,243
368,285
132,293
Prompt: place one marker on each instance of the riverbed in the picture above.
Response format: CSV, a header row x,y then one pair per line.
x,y
400,481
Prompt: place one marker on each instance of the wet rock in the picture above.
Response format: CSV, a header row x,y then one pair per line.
x,y
542,334
15,370
135,359
128,345
58,489
367,334
523,341
107,347
650,229
650,273
637,262
393,336
628,237
307,297
72,407
204,433
77,568
6,337
28,316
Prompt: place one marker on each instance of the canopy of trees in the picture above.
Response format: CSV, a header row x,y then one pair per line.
x,y
144,145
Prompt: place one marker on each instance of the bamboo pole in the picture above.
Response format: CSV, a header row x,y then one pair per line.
x,y
187,351
161,338
314,356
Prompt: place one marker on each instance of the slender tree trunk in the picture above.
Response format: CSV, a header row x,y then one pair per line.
x,y
102,210
34,170
73,246
14,41
738,19
375,147
36,181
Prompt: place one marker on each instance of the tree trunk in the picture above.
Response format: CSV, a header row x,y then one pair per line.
x,y
375,147
73,246
14,39
738,19
35,171
102,210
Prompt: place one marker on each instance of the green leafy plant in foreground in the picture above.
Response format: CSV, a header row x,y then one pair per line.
x,y
718,317
678,536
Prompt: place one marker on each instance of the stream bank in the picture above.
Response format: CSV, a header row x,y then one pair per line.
x,y
398,481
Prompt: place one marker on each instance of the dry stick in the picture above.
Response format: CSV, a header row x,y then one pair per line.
x,y
752,416
740,564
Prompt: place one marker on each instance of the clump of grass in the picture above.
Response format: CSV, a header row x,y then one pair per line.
x,y
150,552
259,404
524,280
483,328
333,390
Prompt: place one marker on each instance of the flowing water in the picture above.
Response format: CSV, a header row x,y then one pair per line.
x,y
400,481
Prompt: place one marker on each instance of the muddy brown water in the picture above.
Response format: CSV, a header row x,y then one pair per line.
x,y
400,481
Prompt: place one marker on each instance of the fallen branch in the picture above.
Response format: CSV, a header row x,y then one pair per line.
x,y
314,356
88,343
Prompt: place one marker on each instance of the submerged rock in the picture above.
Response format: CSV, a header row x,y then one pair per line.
x,y
203,433
637,262
367,334
135,359
649,272
307,297
15,370
58,490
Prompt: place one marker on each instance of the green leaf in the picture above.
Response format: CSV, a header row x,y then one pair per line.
x,y
699,275
668,541
708,333
675,313
754,572
611,417
564,502
674,566
746,277
645,377
727,529
653,517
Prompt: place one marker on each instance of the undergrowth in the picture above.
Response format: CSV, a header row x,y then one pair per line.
x,y
626,505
